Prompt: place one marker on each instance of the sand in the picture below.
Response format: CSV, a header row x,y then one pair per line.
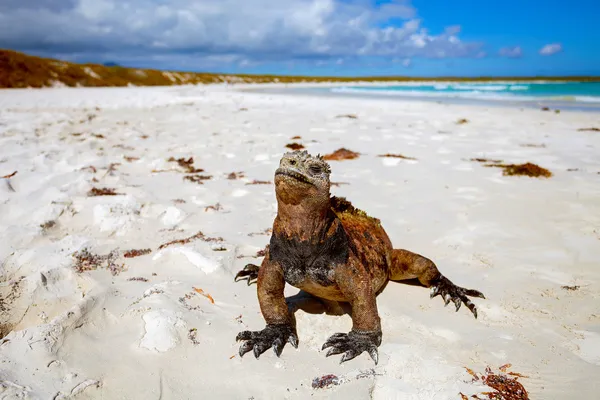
x,y
163,325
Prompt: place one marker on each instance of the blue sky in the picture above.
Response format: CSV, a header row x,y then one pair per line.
x,y
315,37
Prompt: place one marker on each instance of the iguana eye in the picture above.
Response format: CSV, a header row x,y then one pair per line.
x,y
315,169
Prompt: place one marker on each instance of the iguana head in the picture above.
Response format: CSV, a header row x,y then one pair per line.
x,y
302,178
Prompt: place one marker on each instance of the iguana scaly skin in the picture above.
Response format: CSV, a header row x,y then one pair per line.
x,y
326,247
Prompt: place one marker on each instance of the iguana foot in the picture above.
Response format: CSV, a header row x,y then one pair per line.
x,y
275,336
250,273
457,294
354,343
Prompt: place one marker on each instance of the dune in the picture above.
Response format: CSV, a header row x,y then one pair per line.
x,y
117,267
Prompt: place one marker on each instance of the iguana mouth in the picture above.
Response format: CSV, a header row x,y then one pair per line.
x,y
293,174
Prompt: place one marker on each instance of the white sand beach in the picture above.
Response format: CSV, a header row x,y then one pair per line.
x,y
162,325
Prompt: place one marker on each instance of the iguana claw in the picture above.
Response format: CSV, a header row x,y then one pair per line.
x,y
274,336
353,344
450,292
249,273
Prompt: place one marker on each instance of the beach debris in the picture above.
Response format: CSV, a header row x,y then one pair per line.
x,y
527,169
203,293
572,288
557,111
462,121
9,175
216,207
192,335
87,261
341,154
187,164
197,178
7,180
329,380
505,385
136,253
296,137
545,108
179,201
294,146
235,175
485,160
262,253
572,169
94,192
325,381
48,225
138,279
542,145
267,231
396,156
197,236
256,182
349,116
592,129
131,158
184,301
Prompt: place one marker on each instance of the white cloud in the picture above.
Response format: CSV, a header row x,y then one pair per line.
x,y
550,49
245,31
511,52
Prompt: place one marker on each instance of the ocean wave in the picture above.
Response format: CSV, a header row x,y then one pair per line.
x,y
484,92
474,94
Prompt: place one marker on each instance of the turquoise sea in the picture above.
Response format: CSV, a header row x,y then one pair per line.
x,y
575,95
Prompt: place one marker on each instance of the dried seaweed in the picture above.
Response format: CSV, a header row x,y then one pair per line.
x,y
192,335
48,225
256,182
184,301
267,231
197,236
527,169
572,288
136,253
462,121
396,156
235,175
341,154
9,175
199,179
325,381
216,207
130,159
349,116
87,261
138,279
103,192
187,164
295,146
203,293
486,160
296,137
505,385
592,129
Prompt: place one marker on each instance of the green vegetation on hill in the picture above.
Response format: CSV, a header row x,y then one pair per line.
x,y
19,70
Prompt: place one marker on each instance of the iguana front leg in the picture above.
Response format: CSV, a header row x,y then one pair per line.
x,y
280,328
354,282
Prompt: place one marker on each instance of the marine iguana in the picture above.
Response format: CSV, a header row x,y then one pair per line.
x,y
328,248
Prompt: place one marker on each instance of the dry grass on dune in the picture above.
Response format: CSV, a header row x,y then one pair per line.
x,y
19,70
